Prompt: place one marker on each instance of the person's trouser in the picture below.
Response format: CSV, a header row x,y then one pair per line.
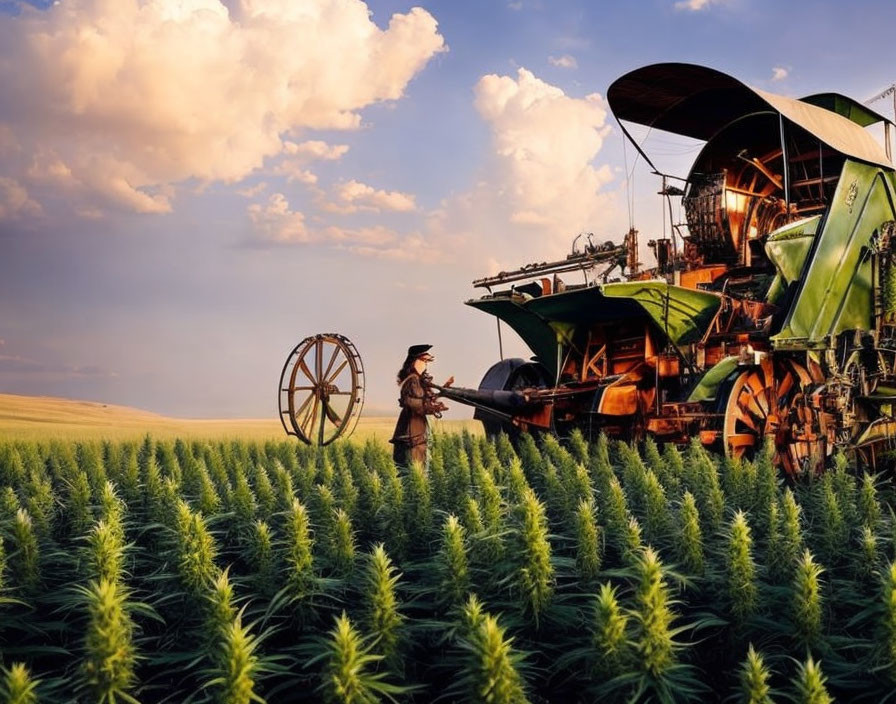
x,y
403,454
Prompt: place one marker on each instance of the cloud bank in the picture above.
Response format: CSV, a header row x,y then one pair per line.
x,y
541,186
111,103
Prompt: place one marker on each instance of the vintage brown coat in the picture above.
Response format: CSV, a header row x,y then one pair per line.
x,y
409,437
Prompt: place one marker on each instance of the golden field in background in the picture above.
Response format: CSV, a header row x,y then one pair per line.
x,y
47,418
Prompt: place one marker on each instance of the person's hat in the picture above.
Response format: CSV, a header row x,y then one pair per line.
x,y
415,351
418,351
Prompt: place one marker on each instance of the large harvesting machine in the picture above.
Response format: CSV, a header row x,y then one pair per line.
x,y
770,313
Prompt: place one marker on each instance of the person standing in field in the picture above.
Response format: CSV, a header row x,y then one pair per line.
x,y
417,399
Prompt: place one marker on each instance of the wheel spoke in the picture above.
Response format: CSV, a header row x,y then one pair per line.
x,y
336,373
303,406
748,421
747,401
331,414
312,416
318,360
333,356
306,415
306,370
742,441
323,419
762,395
785,386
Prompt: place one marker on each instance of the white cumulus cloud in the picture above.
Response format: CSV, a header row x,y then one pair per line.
x,y
540,186
779,73
565,61
545,142
315,149
354,195
124,98
15,201
298,156
275,222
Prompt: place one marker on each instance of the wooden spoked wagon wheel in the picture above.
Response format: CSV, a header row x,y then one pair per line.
x,y
772,400
322,389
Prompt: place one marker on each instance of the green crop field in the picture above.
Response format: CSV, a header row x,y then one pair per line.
x,y
204,569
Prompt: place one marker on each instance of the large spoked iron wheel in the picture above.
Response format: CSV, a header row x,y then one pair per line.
x,y
772,401
322,389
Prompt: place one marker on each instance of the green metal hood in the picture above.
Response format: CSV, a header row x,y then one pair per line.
x,y
683,314
835,286
545,323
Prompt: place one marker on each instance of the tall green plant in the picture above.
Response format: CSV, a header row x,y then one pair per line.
x,y
382,615
105,552
194,551
785,539
349,675
653,617
834,531
536,574
754,679
220,605
657,518
740,570
578,447
612,647
298,558
492,511
17,686
342,543
866,558
809,684
25,562
236,664
109,653
452,563
491,669
868,505
588,542
689,545
616,515
517,484
77,505
806,601
259,553
494,667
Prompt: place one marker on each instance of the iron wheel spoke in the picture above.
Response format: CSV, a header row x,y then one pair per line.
x,y
336,373
336,350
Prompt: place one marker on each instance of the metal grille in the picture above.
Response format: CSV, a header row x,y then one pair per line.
x,y
707,216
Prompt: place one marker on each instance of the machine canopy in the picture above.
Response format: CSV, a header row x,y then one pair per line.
x,y
544,323
697,102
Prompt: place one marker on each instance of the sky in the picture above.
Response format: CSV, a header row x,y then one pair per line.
x,y
188,188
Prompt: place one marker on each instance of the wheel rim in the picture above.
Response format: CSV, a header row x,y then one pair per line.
x,y
771,401
321,389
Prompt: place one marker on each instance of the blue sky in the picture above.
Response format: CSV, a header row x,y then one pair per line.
x,y
190,187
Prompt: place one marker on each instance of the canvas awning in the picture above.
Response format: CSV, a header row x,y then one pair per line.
x,y
697,102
